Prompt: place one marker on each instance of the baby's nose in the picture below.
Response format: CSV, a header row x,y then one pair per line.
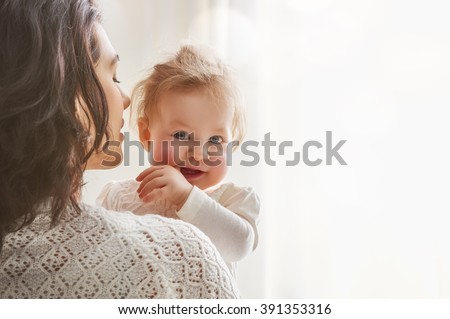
x,y
197,153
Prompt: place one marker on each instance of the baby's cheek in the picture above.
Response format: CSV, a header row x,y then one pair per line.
x,y
218,169
214,162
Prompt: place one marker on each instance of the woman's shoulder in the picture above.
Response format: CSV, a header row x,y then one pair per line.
x,y
173,249
98,253
129,224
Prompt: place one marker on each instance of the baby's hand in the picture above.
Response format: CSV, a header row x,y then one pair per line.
x,y
163,182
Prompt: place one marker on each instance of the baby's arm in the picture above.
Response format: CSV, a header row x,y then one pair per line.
x,y
122,196
108,197
229,223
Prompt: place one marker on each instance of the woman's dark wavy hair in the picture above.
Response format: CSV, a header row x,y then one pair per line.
x,y
48,88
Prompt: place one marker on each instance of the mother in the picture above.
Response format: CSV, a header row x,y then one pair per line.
x,y
59,104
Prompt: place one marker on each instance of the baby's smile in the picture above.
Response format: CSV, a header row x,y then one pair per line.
x,y
191,174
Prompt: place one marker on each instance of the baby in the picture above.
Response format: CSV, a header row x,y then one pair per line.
x,y
188,114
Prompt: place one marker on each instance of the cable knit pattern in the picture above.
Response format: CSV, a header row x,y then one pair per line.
x,y
104,254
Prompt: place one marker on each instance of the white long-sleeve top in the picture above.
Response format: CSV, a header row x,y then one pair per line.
x,y
227,214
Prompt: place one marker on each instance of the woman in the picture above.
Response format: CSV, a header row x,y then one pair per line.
x,y
59,104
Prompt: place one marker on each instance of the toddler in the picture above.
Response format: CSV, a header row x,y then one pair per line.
x,y
188,112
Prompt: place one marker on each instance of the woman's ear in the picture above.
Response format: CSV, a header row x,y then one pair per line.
x,y
144,132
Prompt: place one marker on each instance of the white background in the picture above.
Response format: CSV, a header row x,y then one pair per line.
x,y
375,73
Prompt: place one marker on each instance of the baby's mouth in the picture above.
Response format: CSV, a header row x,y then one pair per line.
x,y
190,173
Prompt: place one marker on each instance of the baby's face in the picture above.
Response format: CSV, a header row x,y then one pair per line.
x,y
191,133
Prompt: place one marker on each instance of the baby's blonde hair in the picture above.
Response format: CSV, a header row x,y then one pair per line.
x,y
191,68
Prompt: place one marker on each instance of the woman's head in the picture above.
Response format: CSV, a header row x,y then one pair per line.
x,y
53,108
110,155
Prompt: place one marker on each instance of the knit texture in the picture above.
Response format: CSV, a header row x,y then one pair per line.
x,y
105,254
226,213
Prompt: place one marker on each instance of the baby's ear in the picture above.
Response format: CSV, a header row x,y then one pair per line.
x,y
144,132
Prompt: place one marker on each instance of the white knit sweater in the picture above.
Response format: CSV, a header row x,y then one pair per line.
x,y
226,213
105,254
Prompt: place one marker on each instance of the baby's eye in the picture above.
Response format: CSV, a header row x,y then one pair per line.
x,y
181,135
216,139
115,79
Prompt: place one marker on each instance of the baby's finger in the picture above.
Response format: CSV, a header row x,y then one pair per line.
x,y
148,171
151,176
153,195
150,186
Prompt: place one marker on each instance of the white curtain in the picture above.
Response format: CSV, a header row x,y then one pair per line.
x,y
374,73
